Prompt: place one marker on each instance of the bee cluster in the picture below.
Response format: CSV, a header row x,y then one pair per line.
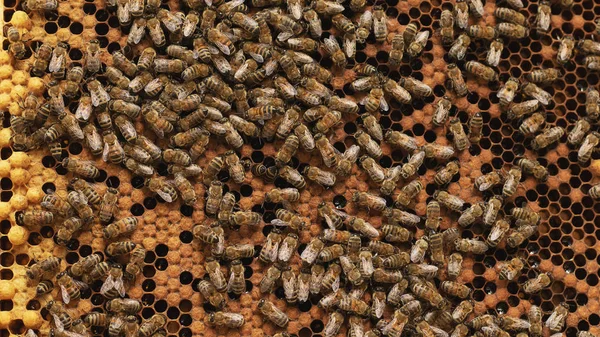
x,y
238,73
68,218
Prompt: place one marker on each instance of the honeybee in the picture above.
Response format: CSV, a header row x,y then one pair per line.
x,y
421,290
369,145
461,14
491,210
369,201
113,285
497,233
494,53
328,152
79,203
592,104
538,283
507,92
482,32
523,108
481,71
152,325
273,313
394,89
445,175
34,218
395,233
270,277
185,188
543,75
511,269
512,30
239,251
333,217
83,168
418,250
548,137
534,168
120,248
287,247
397,52
270,249
565,49
57,205
525,215
489,180
588,146
461,141
237,283
415,87
73,80
417,45
442,111
380,29
59,314
517,237
510,15
374,170
290,286
354,306
481,321
534,315
363,227
332,47
457,82
113,151
399,139
594,192
58,62
455,261
592,62
69,288
314,23
542,20
513,324
408,193
397,216
447,27
512,180
471,246
42,59
44,268
119,227
532,124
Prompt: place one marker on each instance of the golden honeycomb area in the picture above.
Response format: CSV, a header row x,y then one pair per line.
x,y
565,247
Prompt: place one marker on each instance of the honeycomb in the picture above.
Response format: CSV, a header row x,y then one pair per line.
x,y
565,246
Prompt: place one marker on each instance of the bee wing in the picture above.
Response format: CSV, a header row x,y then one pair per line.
x,y
364,100
350,45
120,286
383,104
279,222
336,284
257,57
56,62
108,284
83,112
30,333
65,294
230,282
58,323
341,214
493,56
137,33
285,35
208,3
328,221
166,197
105,152
222,47
81,284
422,37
